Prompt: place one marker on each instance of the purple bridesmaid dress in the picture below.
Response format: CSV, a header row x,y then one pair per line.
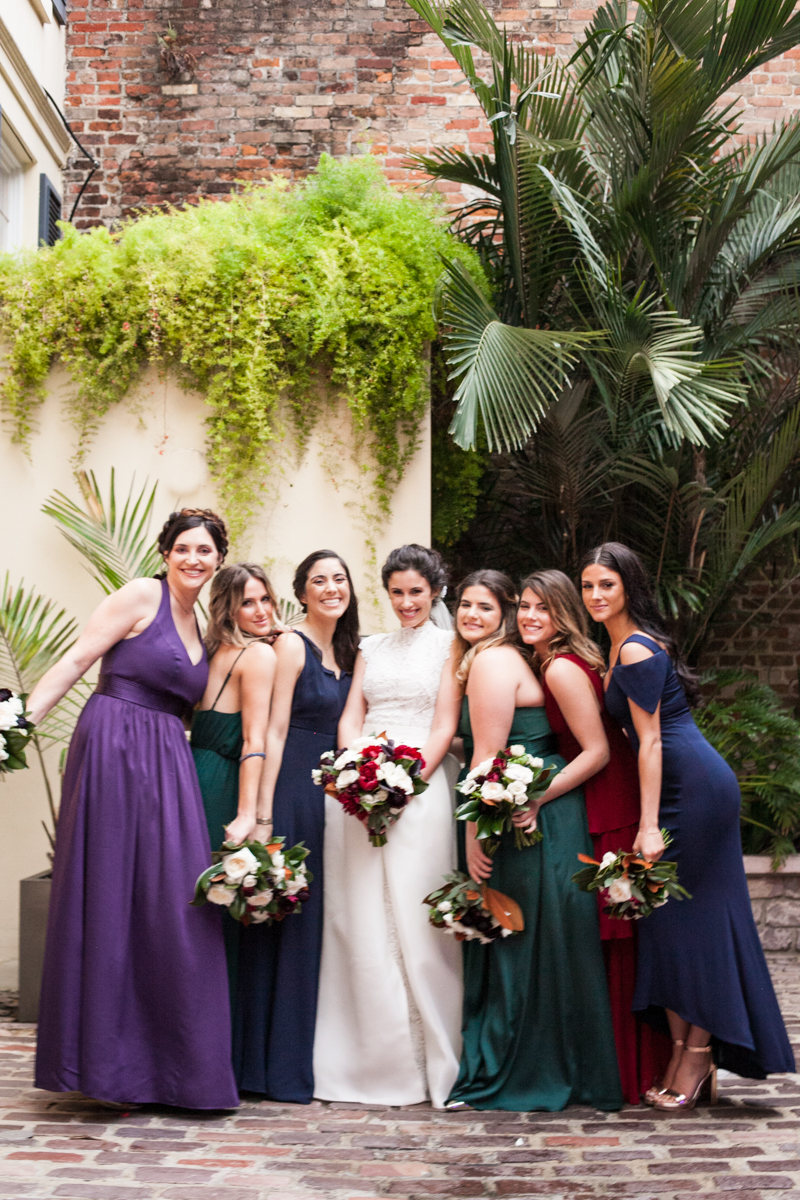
x,y
134,1004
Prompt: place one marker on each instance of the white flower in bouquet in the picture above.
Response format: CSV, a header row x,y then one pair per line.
x,y
536,762
219,894
467,787
517,751
445,906
361,743
482,768
346,778
345,758
239,863
316,775
396,776
277,859
259,899
619,890
3,751
519,773
10,712
493,791
278,873
259,917
518,792
249,881
296,885
608,858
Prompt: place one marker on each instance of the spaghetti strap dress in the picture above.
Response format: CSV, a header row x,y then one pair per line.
x,y
537,1022
276,997
134,1004
612,809
701,958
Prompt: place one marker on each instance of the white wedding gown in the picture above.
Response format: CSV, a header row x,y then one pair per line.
x,y
389,1011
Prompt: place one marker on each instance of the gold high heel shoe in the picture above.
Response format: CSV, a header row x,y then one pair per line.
x,y
672,1101
652,1094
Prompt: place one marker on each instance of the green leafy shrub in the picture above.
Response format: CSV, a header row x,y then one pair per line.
x,y
249,300
760,740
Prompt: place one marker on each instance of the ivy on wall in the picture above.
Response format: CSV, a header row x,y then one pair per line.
x,y
249,301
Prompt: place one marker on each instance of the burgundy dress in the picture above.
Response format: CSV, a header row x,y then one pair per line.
x,y
134,1004
612,809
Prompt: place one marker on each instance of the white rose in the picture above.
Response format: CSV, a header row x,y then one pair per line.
x,y
482,768
493,791
278,873
240,863
295,885
346,778
372,739
10,711
219,894
344,759
395,776
517,751
447,918
259,917
619,890
249,881
519,773
277,859
467,787
608,858
3,751
518,792
259,900
536,762
316,775
445,906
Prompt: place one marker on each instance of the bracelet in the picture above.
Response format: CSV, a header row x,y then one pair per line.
x,y
255,754
263,820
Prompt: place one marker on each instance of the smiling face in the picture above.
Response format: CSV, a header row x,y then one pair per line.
x,y
411,597
536,626
603,592
478,615
193,558
327,591
255,614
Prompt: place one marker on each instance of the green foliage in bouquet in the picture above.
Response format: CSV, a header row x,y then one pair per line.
x,y
633,887
759,738
249,301
257,883
498,788
469,911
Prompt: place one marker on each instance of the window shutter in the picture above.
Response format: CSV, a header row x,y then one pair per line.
x,y
60,11
49,212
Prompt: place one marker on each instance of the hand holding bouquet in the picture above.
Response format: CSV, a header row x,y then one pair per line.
x,y
632,886
467,911
15,731
373,780
497,789
256,883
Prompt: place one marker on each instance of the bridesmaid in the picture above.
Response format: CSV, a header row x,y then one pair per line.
x,y
278,979
570,666
230,727
134,1005
537,1024
701,967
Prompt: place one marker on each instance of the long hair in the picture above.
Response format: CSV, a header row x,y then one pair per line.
x,y
566,611
227,594
642,605
345,637
504,592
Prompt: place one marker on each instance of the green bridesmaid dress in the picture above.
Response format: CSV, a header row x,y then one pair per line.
x,y
537,1020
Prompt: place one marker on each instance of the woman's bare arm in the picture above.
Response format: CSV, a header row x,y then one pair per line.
x,y
351,722
290,655
256,679
445,718
649,841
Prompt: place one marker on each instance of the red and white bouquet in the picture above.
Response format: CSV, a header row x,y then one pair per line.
x,y
468,910
373,780
15,731
496,789
257,883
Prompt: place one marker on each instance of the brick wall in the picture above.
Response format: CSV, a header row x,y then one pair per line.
x,y
760,632
277,82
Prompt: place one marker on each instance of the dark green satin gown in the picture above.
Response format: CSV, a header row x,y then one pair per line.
x,y
537,1021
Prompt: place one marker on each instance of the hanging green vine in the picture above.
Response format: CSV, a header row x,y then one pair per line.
x,y
248,300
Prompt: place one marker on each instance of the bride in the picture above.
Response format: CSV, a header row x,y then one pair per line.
x,y
389,1011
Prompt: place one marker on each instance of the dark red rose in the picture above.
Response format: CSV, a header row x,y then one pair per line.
x,y
368,776
372,752
407,752
499,762
350,804
493,777
303,895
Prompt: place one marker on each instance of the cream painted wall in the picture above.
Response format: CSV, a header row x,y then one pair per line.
x,y
159,434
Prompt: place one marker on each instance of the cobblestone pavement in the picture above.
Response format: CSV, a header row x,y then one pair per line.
x,y
747,1148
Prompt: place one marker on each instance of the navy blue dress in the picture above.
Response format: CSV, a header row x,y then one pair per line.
x,y
275,1008
701,958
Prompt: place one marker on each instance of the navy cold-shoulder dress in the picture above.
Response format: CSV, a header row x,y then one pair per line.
x,y
701,958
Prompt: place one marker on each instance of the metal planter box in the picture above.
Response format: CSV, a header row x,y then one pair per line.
x,y
34,902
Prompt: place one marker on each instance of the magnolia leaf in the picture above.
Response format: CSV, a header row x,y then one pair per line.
x,y
503,909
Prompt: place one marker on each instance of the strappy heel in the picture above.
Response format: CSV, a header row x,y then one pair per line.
x,y
671,1101
652,1094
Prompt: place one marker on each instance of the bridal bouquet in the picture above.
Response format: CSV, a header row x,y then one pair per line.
x,y
631,886
373,780
15,731
256,883
463,908
496,788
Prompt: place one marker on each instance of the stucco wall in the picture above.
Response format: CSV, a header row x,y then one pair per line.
x,y
159,435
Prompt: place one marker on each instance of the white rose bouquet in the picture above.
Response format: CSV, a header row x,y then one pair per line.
x,y
631,886
468,911
15,731
373,780
256,883
499,787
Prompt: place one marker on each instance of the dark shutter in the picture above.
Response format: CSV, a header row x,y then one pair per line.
x,y
60,11
49,212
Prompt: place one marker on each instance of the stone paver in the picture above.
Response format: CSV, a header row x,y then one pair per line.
x,y
747,1148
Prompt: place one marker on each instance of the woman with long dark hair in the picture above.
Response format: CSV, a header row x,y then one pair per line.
x,y
537,1024
134,1005
701,974
276,999
571,668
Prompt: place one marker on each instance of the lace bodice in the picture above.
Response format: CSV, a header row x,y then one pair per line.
x,y
402,675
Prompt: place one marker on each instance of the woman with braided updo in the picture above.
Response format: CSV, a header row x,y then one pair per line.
x,y
134,1005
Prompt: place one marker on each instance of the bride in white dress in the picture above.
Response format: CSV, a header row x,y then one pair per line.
x,y
389,1010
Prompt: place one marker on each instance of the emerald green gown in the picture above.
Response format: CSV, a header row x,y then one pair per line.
x,y
537,1020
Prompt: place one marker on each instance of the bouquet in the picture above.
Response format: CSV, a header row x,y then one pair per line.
x,y
632,886
463,908
15,731
256,883
496,788
373,780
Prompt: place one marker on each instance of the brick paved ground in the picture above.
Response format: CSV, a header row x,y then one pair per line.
x,y
748,1148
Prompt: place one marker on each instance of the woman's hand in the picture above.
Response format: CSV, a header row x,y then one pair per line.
x,y
262,833
242,829
525,818
650,844
479,865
